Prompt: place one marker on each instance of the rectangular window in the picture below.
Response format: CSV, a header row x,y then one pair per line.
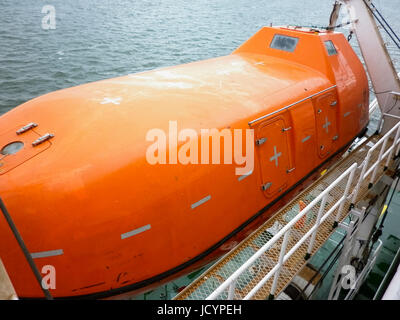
x,y
284,43
330,47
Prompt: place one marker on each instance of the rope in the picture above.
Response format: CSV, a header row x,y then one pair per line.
x,y
388,204
326,28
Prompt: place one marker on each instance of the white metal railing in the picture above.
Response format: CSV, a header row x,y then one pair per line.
x,y
366,170
230,283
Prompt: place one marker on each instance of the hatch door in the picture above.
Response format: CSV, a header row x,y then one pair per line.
x,y
325,108
273,153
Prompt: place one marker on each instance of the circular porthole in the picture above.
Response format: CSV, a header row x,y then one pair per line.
x,y
12,148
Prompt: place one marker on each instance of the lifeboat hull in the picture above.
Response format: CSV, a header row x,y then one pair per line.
x,y
87,200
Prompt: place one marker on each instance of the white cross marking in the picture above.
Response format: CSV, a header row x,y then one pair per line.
x,y
275,156
326,125
111,100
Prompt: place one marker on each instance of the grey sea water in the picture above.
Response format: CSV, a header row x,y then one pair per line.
x,y
100,39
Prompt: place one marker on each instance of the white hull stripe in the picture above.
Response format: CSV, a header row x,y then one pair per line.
x,y
245,175
305,139
45,254
200,202
135,232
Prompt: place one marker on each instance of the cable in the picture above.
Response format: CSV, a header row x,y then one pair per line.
x,y
388,25
326,28
383,26
333,262
338,26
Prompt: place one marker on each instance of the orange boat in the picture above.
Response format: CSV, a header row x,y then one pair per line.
x,y
75,179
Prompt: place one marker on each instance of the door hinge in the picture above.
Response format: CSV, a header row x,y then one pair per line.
x,y
259,142
26,128
42,139
266,186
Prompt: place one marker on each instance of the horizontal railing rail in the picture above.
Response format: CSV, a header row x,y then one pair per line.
x,y
24,249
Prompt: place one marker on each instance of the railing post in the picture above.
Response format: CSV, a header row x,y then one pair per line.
x,y
372,179
398,147
364,168
231,290
346,192
317,223
280,263
390,156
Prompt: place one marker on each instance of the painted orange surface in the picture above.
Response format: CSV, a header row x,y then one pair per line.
x,y
116,221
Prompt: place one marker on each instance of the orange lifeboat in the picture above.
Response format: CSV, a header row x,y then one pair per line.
x,y
76,181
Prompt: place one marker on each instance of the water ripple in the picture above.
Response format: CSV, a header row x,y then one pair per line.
x,y
99,39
